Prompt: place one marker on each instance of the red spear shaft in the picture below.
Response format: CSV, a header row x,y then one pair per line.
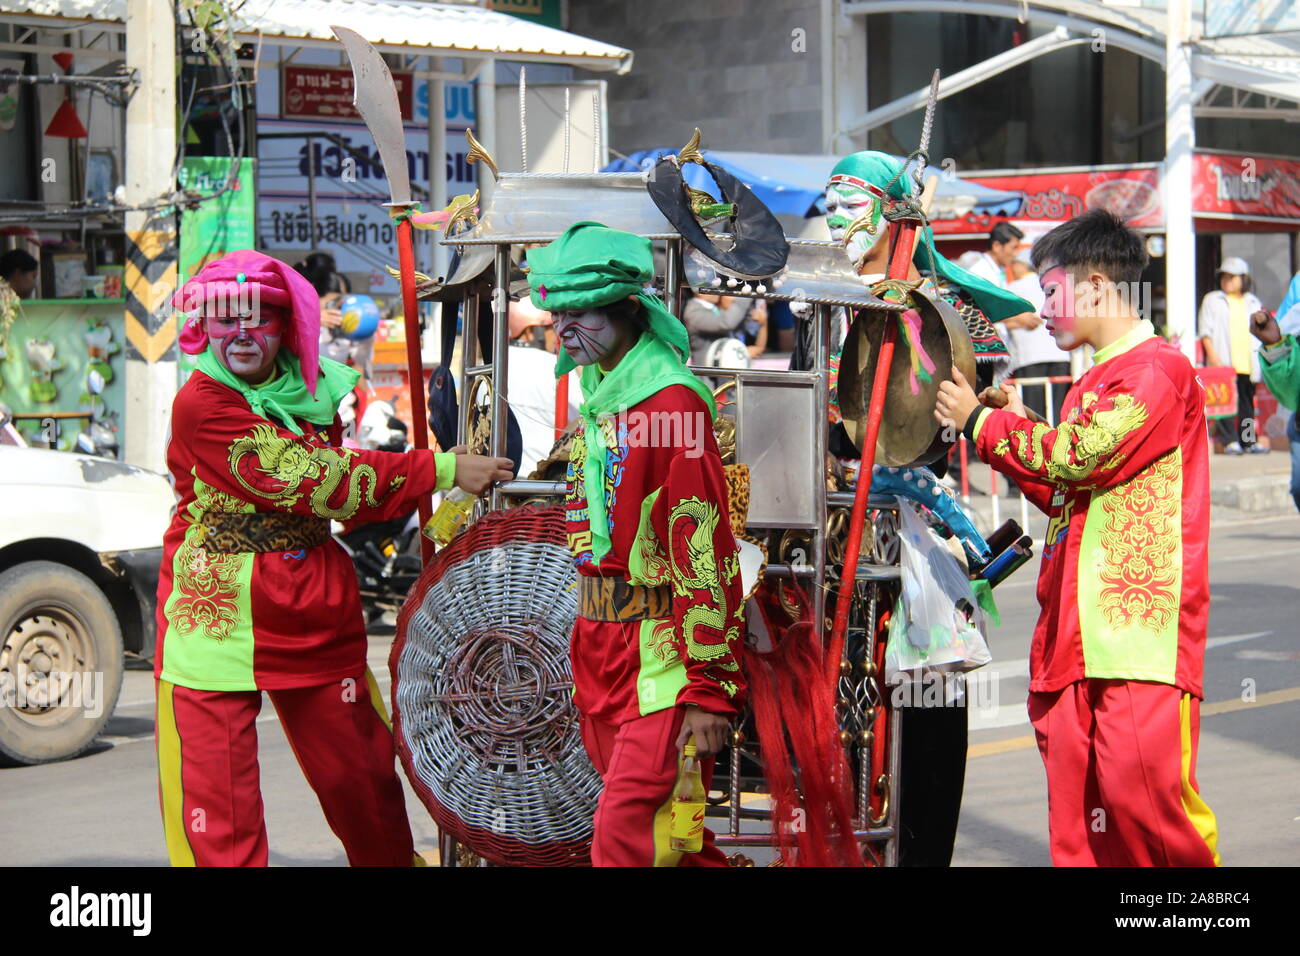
x,y
414,364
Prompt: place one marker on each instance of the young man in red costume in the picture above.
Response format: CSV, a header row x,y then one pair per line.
x,y
659,580
1117,658
253,594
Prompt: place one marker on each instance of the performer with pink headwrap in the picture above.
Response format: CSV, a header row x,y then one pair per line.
x,y
253,594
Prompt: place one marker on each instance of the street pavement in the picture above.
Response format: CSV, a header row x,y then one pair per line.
x,y
101,809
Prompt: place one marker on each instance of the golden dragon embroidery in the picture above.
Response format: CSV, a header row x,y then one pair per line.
x,y
1140,570
1079,449
291,463
703,574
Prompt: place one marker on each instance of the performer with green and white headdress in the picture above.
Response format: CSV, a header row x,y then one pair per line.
x,y
860,188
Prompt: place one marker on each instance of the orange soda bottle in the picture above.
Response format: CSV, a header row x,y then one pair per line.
x,y
686,832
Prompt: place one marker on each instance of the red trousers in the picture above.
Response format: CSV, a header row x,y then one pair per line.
x,y
209,789
1121,775
638,761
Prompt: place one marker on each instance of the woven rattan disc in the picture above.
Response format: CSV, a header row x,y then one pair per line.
x,y
482,693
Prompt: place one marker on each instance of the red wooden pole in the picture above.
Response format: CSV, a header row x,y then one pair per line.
x,y
414,364
899,265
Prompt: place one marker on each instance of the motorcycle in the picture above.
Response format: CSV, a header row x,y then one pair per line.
x,y
386,554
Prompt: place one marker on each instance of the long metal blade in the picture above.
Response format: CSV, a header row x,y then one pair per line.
x,y
375,97
928,124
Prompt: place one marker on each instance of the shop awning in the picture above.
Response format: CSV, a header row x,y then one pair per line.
x,y
794,185
394,26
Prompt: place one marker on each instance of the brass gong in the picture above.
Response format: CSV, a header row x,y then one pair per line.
x,y
909,433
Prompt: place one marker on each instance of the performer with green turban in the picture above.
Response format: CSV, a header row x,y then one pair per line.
x,y
653,649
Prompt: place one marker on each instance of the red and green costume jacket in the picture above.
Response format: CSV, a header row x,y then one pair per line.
x,y
1125,481
665,508
261,619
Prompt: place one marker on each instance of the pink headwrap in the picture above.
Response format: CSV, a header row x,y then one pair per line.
x,y
276,284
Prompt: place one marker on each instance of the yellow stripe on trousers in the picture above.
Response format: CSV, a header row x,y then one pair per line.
x,y
171,791
377,700
1197,810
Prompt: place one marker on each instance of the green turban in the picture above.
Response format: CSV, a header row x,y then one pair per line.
x,y
591,266
874,171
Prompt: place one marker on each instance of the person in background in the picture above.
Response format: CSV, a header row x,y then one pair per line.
x,y
531,382
1034,351
710,317
19,270
1279,358
1224,325
1289,301
992,264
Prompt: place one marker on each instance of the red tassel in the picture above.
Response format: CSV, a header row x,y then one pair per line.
x,y
813,812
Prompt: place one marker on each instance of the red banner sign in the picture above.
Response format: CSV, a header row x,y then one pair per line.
x,y
1220,384
1246,186
1057,196
309,92
1236,186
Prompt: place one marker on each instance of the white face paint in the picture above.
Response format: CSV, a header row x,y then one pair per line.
x,y
846,204
586,336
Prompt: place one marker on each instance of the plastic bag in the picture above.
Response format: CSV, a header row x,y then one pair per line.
x,y
929,629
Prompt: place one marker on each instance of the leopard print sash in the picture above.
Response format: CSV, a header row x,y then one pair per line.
x,y
616,599
226,533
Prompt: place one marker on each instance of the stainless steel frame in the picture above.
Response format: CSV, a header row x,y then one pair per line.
x,y
537,208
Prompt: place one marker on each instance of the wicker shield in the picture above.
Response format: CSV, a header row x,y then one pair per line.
x,y
483,715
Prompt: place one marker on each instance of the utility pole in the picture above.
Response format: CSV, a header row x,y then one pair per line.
x,y
151,240
1176,183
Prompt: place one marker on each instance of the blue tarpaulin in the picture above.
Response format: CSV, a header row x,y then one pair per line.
x,y
793,185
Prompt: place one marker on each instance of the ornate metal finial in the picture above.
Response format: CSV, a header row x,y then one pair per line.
x,y
690,153
461,209
478,152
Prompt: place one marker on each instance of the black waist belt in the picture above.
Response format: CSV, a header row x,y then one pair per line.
x,y
617,599
227,533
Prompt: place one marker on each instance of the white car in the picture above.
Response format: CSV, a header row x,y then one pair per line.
x,y
80,545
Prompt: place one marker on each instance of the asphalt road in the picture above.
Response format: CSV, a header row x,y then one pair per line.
x,y
102,808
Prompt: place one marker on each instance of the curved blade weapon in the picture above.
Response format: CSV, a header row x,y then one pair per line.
x,y
375,98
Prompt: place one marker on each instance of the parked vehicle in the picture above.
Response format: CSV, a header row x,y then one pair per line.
x,y
80,546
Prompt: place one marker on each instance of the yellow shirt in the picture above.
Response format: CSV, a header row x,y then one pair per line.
x,y
1239,334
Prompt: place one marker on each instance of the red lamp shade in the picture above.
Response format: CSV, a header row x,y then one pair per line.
x,y
66,123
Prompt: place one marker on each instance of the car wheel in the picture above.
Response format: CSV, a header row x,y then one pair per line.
x,y
60,662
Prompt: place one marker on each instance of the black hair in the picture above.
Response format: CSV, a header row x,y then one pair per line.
x,y
1004,232
17,260
1245,280
630,311
1096,239
320,270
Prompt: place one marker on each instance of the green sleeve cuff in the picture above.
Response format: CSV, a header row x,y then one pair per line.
x,y
445,463
975,422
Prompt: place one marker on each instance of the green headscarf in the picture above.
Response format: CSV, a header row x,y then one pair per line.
x,y
872,168
591,266
285,396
